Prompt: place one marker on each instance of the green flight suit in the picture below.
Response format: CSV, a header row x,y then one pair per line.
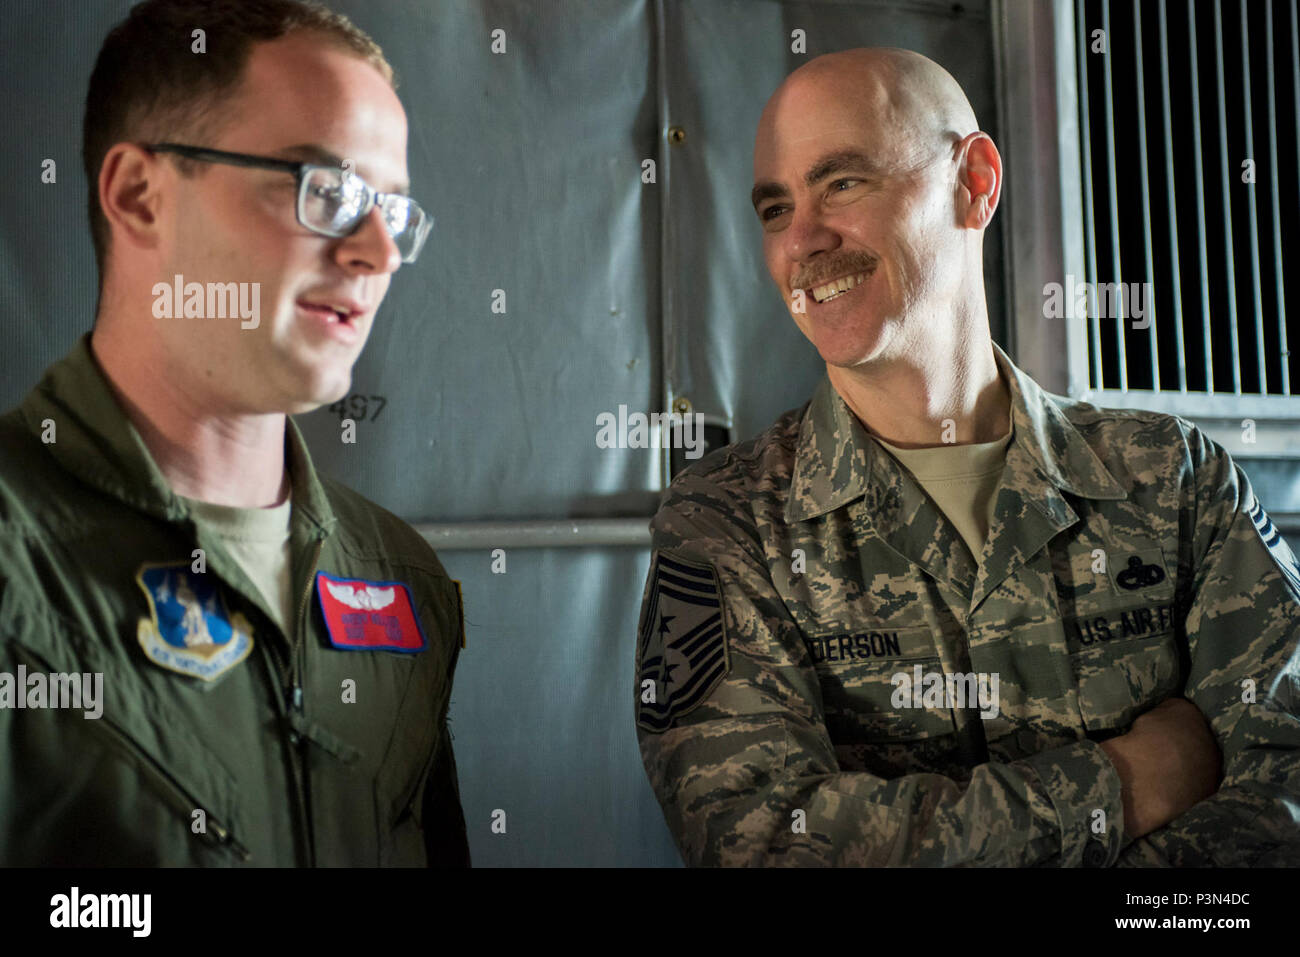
x,y
268,764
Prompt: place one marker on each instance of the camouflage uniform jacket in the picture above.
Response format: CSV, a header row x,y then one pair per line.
x,y
796,574
266,761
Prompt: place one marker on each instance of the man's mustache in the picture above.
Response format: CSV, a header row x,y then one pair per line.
x,y
846,264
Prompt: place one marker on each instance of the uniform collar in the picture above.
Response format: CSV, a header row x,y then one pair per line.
x,y
835,457
95,441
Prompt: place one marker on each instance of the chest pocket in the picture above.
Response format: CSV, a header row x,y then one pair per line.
x,y
368,809
1124,656
400,782
857,674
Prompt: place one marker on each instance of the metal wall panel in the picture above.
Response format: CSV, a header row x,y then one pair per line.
x,y
47,264
542,710
530,161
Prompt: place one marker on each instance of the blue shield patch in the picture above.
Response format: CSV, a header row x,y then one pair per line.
x,y
682,651
189,629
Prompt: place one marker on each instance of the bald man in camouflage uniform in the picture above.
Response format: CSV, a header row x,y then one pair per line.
x,y
938,616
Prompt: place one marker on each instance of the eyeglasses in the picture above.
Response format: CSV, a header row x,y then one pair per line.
x,y
331,201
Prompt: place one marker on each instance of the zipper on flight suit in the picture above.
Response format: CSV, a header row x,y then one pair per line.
x,y
216,834
299,647
297,650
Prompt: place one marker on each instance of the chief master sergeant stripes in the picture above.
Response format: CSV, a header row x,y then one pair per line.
x,y
682,634
1117,572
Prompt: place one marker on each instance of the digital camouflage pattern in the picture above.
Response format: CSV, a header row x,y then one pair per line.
x,y
1128,562
285,771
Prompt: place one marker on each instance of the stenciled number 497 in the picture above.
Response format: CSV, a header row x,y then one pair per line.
x,y
357,407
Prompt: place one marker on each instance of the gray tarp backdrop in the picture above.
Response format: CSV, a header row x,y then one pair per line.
x,y
616,292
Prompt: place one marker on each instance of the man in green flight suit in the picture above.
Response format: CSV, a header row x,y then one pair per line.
x,y
938,616
270,656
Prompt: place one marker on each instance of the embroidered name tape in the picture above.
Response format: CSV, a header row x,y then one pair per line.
x,y
369,616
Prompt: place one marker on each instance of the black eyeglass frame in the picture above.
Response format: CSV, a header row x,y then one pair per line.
x,y
300,171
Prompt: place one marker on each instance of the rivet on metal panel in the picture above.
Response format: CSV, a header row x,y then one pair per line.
x,y
682,405
676,135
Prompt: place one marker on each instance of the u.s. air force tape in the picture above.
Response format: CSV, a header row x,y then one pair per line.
x,y
682,651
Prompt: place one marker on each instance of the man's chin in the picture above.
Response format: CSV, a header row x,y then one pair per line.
x,y
301,408
848,354
323,394
847,342
858,345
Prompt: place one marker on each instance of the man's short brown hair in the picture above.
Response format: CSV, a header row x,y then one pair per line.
x,y
148,85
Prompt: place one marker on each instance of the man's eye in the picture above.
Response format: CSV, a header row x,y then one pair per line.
x,y
838,191
771,212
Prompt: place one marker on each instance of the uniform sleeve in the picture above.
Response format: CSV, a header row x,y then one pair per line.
x,y
747,774
444,820
445,840
16,844
1242,626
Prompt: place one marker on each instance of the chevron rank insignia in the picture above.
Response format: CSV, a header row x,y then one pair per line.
x,y
682,651
1275,543
369,616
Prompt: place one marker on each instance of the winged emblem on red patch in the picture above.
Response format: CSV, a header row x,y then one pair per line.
x,y
363,615
367,598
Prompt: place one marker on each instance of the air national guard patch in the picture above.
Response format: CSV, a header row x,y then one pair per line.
x,y
683,642
1277,547
190,630
369,616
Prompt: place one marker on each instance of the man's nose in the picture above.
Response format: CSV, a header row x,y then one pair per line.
x,y
808,234
370,249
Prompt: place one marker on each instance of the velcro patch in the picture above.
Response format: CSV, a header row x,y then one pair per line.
x,y
1108,626
880,642
682,651
189,629
1135,569
369,616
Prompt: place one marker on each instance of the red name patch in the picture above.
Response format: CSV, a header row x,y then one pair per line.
x,y
369,616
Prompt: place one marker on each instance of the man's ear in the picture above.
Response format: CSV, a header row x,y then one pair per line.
x,y
130,196
979,178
